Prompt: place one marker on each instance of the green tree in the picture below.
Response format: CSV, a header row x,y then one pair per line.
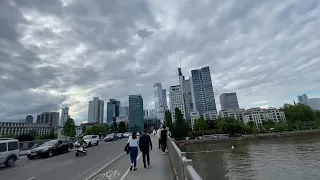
x,y
84,129
122,128
231,126
114,127
180,126
268,124
97,130
299,116
200,125
168,120
69,128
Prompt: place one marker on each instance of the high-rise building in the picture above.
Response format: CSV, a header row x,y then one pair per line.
x,y
96,111
202,91
158,101
229,101
176,100
136,121
113,110
49,118
164,98
303,99
124,111
64,116
29,119
187,95
151,113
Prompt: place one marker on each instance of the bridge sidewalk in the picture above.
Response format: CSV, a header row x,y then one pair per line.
x,y
160,168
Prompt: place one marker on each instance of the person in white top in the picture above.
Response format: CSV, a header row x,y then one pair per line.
x,y
159,137
133,144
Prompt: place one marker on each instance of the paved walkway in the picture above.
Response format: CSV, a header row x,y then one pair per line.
x,y
160,168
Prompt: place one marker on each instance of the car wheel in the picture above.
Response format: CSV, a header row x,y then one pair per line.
x,y
11,161
97,143
77,154
50,154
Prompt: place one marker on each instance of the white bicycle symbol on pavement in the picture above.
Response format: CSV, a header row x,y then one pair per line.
x,y
110,175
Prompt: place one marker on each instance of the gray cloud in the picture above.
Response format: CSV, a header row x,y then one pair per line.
x,y
63,53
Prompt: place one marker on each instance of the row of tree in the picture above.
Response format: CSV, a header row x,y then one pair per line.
x,y
298,117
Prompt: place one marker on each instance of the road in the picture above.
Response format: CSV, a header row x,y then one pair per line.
x,y
69,167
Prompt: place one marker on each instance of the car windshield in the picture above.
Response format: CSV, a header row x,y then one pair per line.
x,y
86,137
49,143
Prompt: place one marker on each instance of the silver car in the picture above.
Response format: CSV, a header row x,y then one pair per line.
x,y
9,151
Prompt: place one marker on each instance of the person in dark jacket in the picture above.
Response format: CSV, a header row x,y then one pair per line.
x,y
163,135
145,145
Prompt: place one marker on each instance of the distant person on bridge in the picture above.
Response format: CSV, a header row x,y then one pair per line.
x,y
159,138
145,146
133,145
163,136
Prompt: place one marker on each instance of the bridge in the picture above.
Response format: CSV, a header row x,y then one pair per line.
x,y
104,162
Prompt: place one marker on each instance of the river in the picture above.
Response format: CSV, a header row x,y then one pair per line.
x,y
287,158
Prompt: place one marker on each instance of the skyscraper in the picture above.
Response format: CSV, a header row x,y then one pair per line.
x,y
164,98
176,100
29,119
186,93
229,101
136,121
158,101
303,99
64,116
49,118
202,91
113,110
124,111
96,111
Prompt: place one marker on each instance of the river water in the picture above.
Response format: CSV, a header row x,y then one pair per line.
x,y
288,158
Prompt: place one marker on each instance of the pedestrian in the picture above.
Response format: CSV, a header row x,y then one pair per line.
x,y
159,138
163,136
133,145
145,146
154,133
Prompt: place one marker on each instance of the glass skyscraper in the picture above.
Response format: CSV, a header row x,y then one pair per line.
x,y
113,110
229,101
136,121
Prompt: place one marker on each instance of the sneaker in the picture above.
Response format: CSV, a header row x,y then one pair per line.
x,y
130,168
163,153
135,169
144,169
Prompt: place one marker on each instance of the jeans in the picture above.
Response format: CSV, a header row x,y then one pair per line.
x,y
164,145
160,143
144,154
134,155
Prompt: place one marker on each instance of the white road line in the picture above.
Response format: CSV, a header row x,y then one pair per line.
x,y
31,178
106,165
126,173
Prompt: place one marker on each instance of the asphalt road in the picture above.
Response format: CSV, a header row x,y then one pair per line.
x,y
68,166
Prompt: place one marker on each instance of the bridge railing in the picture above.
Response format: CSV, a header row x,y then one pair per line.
x,y
183,167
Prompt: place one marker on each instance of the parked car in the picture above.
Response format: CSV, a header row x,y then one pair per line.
x,y
119,135
111,137
126,135
9,151
51,148
91,139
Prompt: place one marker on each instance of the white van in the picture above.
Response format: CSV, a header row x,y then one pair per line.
x,y
9,151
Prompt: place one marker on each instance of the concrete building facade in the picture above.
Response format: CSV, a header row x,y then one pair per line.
x,y
229,101
96,111
176,100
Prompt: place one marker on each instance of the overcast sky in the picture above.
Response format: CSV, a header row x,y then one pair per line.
x,y
56,53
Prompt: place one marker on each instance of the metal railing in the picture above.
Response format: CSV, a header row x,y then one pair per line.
x,y
183,167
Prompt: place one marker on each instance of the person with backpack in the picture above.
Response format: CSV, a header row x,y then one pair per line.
x,y
145,146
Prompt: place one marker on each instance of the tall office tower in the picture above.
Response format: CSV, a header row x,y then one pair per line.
x,y
187,95
202,91
164,98
124,111
229,101
96,111
158,101
113,110
136,121
29,119
49,118
176,101
303,99
64,116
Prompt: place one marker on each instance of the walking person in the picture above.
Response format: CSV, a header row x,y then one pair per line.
x,y
159,138
145,146
133,145
164,137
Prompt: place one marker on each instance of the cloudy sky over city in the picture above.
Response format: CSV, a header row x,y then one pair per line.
x,y
56,53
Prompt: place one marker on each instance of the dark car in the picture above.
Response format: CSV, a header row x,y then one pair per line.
x,y
111,137
51,148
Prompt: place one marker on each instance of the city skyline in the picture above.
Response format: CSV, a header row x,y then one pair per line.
x,y
62,57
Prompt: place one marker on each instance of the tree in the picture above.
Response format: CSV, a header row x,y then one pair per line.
x,y
180,126
168,120
232,126
122,128
25,137
97,130
69,128
299,116
84,129
114,127
268,124
200,125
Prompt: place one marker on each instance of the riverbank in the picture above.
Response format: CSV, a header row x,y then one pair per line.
x,y
252,137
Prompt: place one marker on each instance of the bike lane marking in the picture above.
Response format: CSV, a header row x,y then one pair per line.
x,y
113,170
